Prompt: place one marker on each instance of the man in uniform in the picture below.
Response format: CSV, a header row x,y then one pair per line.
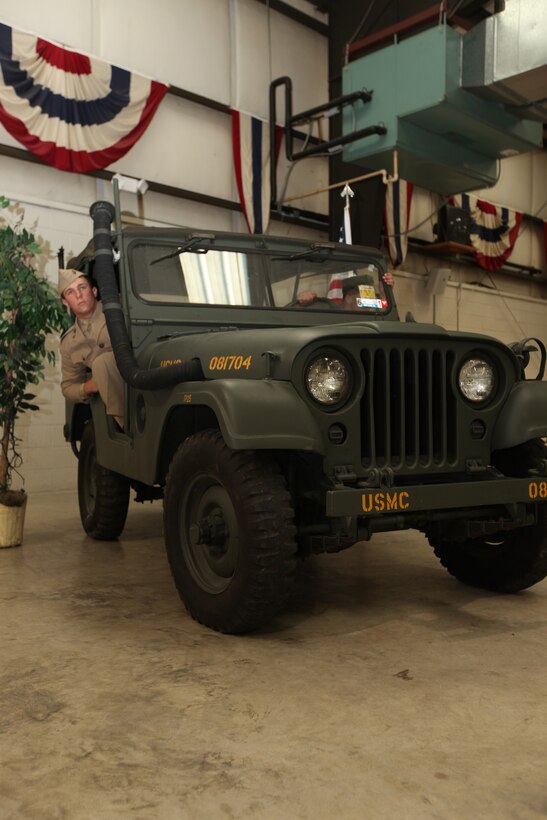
x,y
87,362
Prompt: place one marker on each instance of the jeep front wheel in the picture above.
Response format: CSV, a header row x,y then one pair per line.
x,y
229,534
103,495
507,561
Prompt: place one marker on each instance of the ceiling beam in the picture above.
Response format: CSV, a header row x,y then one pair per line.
x,y
299,16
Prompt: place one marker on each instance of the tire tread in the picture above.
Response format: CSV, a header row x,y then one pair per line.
x,y
268,526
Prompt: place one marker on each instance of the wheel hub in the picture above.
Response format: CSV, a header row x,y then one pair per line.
x,y
211,531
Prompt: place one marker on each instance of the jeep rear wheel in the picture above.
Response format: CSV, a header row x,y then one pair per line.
x,y
507,561
229,534
103,495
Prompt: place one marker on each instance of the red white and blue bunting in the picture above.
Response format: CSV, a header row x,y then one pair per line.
x,y
396,218
494,230
76,113
251,152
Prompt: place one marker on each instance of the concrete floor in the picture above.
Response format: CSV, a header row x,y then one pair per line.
x,y
385,690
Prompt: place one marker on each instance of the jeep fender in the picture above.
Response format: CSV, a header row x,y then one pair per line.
x,y
260,415
523,416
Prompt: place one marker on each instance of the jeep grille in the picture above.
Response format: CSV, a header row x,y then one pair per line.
x,y
408,411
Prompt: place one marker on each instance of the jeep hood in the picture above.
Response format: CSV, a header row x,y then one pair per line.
x,y
235,352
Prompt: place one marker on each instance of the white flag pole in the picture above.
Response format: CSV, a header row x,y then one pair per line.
x,y
347,194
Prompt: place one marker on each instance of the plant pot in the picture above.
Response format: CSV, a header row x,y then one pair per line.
x,y
12,522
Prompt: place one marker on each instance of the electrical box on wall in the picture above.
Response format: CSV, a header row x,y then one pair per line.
x,y
437,280
453,225
448,139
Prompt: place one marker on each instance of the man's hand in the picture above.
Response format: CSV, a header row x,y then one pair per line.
x,y
90,386
388,278
306,297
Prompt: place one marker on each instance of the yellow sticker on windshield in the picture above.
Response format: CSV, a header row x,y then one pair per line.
x,y
367,292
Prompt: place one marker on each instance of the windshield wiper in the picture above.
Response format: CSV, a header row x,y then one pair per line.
x,y
307,255
310,253
186,246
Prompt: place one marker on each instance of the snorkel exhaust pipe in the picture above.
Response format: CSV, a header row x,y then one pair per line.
x,y
102,214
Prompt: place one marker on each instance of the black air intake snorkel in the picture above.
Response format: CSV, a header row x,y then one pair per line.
x,y
156,378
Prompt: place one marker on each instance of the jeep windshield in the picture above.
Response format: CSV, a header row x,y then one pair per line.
x,y
313,279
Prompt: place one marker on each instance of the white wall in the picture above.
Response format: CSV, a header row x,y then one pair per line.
x,y
507,313
476,300
227,50
522,186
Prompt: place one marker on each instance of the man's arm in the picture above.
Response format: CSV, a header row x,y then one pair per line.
x,y
75,384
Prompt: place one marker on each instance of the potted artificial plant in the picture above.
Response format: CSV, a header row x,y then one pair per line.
x,y
29,311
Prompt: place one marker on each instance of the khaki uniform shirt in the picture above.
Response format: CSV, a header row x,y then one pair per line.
x,y
80,346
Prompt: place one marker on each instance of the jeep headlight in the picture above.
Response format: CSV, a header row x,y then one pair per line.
x,y
476,380
328,379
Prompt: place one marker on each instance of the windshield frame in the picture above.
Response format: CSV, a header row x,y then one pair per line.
x,y
267,252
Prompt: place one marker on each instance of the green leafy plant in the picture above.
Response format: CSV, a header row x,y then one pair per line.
x,y
30,310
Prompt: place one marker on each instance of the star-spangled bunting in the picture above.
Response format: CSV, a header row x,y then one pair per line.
x,y
76,113
494,230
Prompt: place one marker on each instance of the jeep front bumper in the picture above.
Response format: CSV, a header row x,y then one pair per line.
x,y
372,501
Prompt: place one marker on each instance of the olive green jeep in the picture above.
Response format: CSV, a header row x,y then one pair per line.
x,y
282,410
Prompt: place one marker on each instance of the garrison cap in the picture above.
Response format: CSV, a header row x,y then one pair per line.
x,y
353,282
66,277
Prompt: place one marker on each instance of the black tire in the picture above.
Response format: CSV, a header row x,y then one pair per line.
x,y
103,495
229,534
507,561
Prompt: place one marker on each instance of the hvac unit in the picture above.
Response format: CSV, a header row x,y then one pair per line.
x,y
449,138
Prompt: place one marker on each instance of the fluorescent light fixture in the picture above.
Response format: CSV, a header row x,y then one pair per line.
x,y
133,186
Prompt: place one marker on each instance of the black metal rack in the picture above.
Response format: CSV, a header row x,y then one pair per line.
x,y
327,109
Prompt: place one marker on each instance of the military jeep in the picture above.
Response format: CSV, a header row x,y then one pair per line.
x,y
279,419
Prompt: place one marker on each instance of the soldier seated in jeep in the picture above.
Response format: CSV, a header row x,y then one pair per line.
x,y
87,363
